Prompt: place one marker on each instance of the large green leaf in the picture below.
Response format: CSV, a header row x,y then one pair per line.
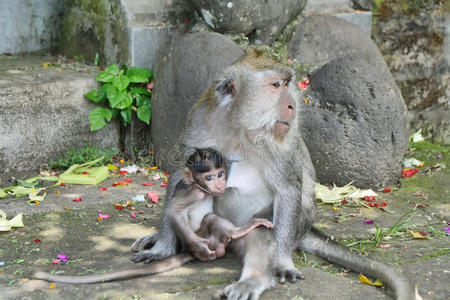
x,y
121,81
97,118
142,100
108,74
125,100
102,92
126,116
139,75
114,96
144,113
93,96
138,90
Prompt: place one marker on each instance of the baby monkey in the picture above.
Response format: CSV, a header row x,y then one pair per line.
x,y
201,231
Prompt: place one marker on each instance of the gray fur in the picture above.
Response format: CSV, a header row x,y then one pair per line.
x,y
283,184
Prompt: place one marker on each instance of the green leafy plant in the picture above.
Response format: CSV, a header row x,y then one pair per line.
x,y
83,155
122,92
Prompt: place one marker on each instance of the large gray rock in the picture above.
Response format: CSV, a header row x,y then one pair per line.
x,y
261,19
191,65
319,39
354,124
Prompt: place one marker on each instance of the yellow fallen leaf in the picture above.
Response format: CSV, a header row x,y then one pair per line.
x,y
418,235
52,286
45,65
111,167
154,168
366,280
335,208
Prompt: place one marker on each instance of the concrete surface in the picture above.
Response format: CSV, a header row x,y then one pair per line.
x,y
44,112
27,26
103,246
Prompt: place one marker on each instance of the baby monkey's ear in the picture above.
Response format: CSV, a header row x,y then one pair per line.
x,y
188,177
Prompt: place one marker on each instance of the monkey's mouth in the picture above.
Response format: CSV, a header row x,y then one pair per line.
x,y
281,127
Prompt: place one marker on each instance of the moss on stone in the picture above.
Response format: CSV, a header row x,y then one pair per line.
x,y
91,27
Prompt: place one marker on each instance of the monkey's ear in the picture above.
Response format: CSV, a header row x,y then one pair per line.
x,y
225,92
187,176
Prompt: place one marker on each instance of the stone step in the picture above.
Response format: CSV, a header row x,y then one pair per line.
x,y
43,112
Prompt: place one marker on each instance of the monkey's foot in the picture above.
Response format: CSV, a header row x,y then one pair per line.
x,y
160,249
292,274
145,242
250,288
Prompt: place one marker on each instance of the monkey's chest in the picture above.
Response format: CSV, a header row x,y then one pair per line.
x,y
246,194
197,211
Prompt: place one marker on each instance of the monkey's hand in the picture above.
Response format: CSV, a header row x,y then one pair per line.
x,y
285,269
199,248
159,248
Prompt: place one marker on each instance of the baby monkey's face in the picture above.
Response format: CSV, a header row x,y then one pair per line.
x,y
214,180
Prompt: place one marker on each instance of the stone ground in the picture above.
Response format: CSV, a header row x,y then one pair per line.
x,y
95,247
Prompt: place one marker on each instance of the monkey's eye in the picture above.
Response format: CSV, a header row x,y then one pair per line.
x,y
276,84
220,174
286,82
208,178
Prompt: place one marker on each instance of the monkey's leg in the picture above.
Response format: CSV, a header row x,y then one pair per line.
x,y
258,251
317,243
164,243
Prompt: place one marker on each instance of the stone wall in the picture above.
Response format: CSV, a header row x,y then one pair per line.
x,y
414,37
29,25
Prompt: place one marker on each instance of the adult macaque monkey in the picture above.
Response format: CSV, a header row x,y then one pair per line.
x,y
191,213
254,109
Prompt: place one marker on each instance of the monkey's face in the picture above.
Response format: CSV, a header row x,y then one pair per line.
x,y
214,181
262,103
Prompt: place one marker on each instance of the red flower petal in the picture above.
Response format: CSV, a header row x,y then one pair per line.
x,y
77,199
133,215
148,183
383,204
163,184
140,212
127,181
123,172
153,197
56,261
387,190
85,173
103,189
37,241
118,207
62,184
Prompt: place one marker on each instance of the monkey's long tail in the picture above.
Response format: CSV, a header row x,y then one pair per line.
x,y
154,268
317,243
